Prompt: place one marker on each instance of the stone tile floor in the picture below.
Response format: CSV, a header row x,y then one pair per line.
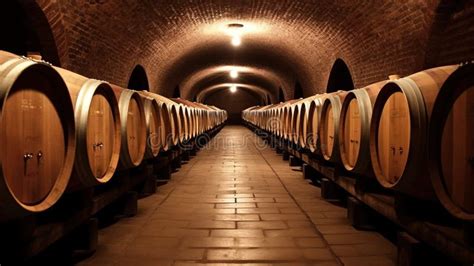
x,y
238,202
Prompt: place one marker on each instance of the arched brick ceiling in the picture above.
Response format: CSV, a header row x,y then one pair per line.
x,y
257,91
173,39
262,78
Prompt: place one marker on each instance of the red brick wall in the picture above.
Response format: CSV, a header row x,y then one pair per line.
x,y
107,39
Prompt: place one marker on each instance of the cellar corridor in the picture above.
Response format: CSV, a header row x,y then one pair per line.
x,y
237,201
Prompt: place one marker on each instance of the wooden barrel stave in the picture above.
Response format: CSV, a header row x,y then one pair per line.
x,y
329,126
153,127
451,146
399,131
97,129
354,137
36,94
133,127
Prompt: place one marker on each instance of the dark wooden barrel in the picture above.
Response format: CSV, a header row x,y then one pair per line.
x,y
175,117
288,119
98,133
133,127
37,136
329,126
354,128
191,121
153,127
200,121
451,144
182,122
189,116
399,131
312,127
302,134
168,136
295,111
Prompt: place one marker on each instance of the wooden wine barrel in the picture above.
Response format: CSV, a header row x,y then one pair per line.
x,y
292,121
204,121
185,119
312,126
295,112
399,131
176,124
280,120
199,120
354,128
216,118
451,144
273,124
329,127
302,121
37,136
166,127
173,129
212,119
287,118
192,116
191,122
196,121
97,130
133,127
300,124
285,122
188,116
266,117
153,127
183,129
277,120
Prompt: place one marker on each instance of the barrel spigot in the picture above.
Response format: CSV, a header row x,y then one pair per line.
x,y
27,156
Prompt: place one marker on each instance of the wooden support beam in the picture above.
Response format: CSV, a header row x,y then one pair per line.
x,y
128,204
330,191
294,161
85,238
360,215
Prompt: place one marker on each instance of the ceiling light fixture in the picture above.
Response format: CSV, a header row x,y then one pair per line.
x,y
235,25
233,88
236,41
234,74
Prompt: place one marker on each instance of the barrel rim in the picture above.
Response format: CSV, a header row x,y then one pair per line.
x,y
176,125
166,138
125,98
335,101
314,132
152,104
412,93
363,102
300,131
16,68
82,168
458,82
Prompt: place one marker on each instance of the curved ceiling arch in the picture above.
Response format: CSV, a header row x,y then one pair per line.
x,y
306,35
262,59
262,93
211,76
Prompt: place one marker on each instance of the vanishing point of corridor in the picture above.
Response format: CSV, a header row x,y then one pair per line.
x,y
237,202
